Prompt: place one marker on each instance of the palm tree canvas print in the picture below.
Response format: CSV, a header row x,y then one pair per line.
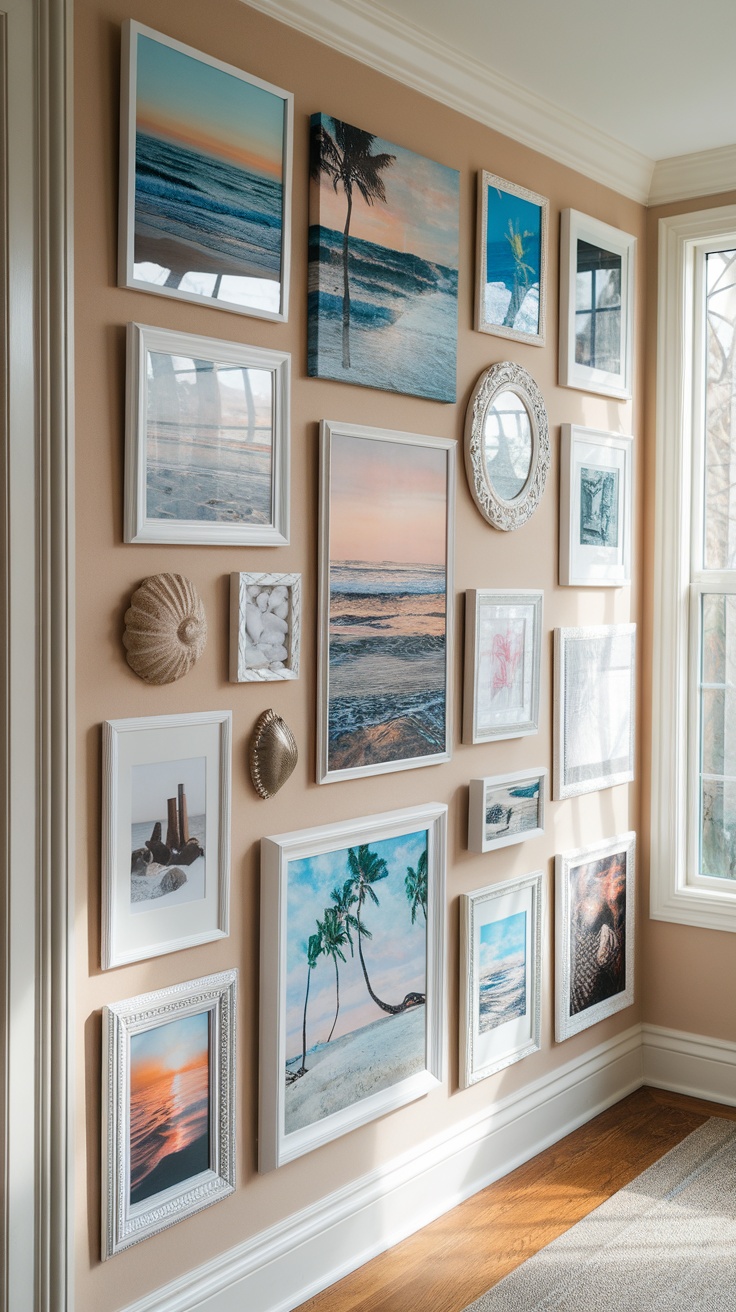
x,y
512,261
383,264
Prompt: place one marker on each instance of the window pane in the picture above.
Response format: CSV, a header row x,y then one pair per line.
x,y
719,515
718,736
718,846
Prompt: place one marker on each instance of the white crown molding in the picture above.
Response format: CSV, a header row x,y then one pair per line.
x,y
404,52
689,1063
703,173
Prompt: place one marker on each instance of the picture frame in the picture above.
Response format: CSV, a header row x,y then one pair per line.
x,y
207,441
186,1034
597,286
595,924
321,975
503,656
265,639
384,257
384,693
596,499
167,776
594,708
507,450
505,809
511,276
500,976
185,114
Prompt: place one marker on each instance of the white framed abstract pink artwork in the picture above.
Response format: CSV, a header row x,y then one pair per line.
x,y
503,648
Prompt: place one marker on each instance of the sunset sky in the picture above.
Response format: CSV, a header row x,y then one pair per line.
x,y
168,1049
195,104
387,502
169,1093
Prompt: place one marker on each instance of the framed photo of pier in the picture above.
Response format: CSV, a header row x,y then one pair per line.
x,y
500,976
352,975
205,178
386,568
511,278
597,288
595,508
165,834
207,441
506,809
503,656
168,1107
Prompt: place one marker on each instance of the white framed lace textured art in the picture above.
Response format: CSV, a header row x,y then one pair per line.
x,y
593,741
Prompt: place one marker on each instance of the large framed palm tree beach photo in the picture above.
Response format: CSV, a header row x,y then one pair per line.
x,y
352,975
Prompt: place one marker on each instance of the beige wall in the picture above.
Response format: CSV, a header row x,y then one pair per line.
x,y
108,571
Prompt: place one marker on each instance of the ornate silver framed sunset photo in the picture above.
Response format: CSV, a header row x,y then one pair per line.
x,y
507,450
595,508
594,708
511,277
503,654
596,305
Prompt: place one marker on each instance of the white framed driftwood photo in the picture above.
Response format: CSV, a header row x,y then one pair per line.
x,y
594,708
352,975
265,627
500,976
168,1107
503,654
506,809
165,834
596,498
597,285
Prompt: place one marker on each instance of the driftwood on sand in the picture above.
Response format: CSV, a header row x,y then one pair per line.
x,y
155,868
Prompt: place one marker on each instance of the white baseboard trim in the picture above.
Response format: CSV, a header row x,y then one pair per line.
x,y
690,1064
282,1267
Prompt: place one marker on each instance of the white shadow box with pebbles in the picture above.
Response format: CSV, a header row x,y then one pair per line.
x,y
264,627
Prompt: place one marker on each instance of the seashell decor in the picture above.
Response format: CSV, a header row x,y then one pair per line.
x,y
165,628
273,753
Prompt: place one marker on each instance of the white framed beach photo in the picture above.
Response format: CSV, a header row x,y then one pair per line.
x,y
511,273
503,653
596,478
205,178
506,809
500,976
594,708
352,975
207,441
597,286
265,627
165,834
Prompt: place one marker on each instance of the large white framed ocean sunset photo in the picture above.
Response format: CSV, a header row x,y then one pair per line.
x,y
693,856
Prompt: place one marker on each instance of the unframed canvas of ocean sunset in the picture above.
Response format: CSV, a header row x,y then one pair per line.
x,y
208,213
383,264
385,639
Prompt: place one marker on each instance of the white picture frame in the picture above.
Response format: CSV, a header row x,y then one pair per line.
x,y
505,809
500,935
243,500
595,925
302,873
594,708
588,246
158,772
175,80
503,654
381,492
504,211
144,1192
596,498
275,653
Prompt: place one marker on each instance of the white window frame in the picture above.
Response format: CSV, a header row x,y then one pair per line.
x,y
678,892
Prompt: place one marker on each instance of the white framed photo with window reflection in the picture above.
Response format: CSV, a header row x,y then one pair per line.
x,y
594,708
595,508
207,441
597,265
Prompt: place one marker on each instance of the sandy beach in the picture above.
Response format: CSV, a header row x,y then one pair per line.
x,y
352,1068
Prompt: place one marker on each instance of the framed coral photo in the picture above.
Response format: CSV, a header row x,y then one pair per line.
x,y
503,652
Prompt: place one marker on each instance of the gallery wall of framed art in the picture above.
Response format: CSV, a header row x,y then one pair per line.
x,y
367,564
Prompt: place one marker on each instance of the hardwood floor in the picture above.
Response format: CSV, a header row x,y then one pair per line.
x,y
457,1258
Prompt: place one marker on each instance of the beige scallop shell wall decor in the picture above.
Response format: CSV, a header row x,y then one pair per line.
x,y
165,628
273,753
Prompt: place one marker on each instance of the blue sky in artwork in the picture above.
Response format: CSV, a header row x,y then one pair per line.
x,y
524,217
503,942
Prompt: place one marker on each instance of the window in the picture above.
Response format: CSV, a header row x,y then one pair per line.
x,y
693,853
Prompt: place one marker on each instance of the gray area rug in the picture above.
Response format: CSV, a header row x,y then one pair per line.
x,y
665,1243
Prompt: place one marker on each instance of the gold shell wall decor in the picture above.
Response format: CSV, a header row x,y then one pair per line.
x,y
273,753
165,628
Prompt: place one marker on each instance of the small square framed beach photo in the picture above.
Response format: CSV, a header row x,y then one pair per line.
x,y
596,305
503,653
506,809
511,275
595,508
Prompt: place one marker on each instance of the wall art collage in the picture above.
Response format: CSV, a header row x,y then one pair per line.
x,y
353,914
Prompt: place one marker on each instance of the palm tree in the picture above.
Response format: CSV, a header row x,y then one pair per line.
x,y
347,160
366,869
344,898
315,949
522,270
416,886
334,938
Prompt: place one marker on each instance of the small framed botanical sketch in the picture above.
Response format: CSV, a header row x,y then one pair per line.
x,y
511,278
205,178
503,651
265,623
352,975
168,1107
500,976
207,441
165,834
506,809
596,305
595,678
595,901
595,508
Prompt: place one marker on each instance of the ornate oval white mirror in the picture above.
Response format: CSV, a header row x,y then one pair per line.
x,y
506,445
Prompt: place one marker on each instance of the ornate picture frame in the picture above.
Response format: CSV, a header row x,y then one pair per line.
x,y
597,287
594,708
511,274
503,657
596,499
265,635
507,450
